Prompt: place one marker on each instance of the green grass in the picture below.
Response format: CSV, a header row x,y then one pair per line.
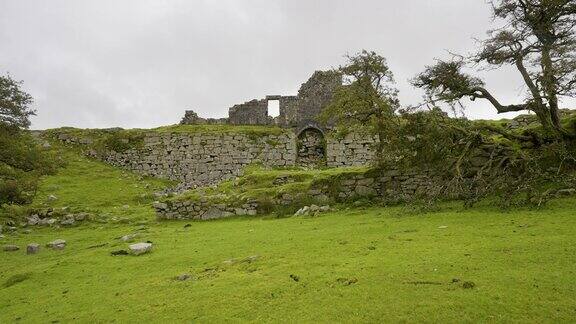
x,y
364,265
91,186
354,265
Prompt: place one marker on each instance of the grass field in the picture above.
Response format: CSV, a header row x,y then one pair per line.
x,y
354,265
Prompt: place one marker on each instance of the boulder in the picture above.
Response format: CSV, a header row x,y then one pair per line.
x,y
303,211
128,237
160,206
57,244
68,220
33,220
33,248
10,248
140,248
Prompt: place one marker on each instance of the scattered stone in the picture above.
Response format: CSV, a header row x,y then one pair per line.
x,y
68,220
46,145
442,227
58,244
2,236
187,225
312,210
47,221
160,206
52,198
128,238
97,246
27,231
33,248
10,248
140,248
468,285
295,277
81,217
184,277
347,281
119,252
33,220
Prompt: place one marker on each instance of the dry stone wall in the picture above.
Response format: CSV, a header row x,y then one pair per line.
x,y
352,150
392,185
199,159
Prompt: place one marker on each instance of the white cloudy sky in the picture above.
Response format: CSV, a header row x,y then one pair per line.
x,y
141,63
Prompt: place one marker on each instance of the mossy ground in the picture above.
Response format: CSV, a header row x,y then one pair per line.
x,y
354,265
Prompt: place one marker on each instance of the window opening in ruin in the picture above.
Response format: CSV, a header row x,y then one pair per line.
x,y
273,108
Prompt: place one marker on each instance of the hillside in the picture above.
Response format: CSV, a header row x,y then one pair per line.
x,y
367,263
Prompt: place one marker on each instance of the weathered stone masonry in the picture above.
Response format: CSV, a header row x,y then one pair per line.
x,y
198,159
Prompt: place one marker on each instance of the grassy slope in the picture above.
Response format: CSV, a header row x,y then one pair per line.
x,y
521,262
100,189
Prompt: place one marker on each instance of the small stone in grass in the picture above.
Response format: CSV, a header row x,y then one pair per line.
x,y
11,248
140,248
33,248
184,277
58,244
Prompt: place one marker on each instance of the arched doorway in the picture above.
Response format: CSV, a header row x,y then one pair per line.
x,y
311,148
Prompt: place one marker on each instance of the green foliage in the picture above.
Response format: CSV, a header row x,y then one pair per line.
x,y
425,139
14,104
22,163
368,102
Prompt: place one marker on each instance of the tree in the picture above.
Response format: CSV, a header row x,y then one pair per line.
x,y
538,39
368,99
14,104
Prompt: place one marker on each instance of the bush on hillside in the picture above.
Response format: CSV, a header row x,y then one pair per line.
x,y
22,163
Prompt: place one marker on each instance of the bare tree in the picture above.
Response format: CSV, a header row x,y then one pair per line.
x,y
537,37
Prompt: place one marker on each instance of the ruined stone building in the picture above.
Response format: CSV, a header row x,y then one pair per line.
x,y
299,112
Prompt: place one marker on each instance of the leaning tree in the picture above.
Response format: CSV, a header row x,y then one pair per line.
x,y
537,37
15,104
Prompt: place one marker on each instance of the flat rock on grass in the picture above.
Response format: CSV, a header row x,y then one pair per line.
x,y
140,248
10,248
57,244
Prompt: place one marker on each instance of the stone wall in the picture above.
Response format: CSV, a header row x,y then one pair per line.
x,y
351,150
254,112
192,118
391,185
199,159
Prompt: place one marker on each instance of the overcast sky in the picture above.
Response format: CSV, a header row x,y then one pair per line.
x,y
141,63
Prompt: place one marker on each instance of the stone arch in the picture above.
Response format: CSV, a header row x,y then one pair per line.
x,y
311,145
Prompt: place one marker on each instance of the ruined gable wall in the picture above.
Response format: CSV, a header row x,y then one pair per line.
x,y
254,112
